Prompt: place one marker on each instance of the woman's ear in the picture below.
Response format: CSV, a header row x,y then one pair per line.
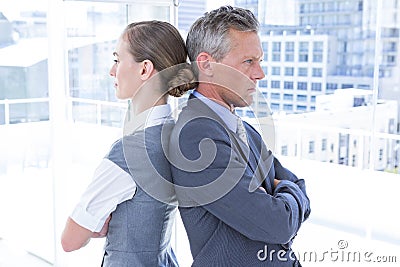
x,y
204,64
147,69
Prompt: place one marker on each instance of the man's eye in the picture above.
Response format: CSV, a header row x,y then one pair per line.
x,y
248,61
116,61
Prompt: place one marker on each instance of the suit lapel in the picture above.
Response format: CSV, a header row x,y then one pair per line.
x,y
259,160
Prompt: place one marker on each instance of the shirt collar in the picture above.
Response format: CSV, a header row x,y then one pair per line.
x,y
225,114
150,117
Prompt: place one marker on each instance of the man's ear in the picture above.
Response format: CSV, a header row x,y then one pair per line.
x,y
146,70
204,63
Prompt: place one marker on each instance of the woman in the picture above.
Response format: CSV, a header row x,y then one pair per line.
x,y
127,201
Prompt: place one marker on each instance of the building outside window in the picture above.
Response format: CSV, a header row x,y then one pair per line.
x,y
287,97
316,72
275,96
311,147
316,86
302,98
302,86
303,72
276,71
288,85
275,84
289,71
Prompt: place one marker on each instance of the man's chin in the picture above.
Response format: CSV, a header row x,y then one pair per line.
x,y
244,104
249,101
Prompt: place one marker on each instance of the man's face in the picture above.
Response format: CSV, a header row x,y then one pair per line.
x,y
239,70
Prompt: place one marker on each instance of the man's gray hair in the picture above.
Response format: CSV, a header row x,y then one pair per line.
x,y
210,33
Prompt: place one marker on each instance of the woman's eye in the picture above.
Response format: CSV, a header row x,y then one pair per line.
x,y
116,61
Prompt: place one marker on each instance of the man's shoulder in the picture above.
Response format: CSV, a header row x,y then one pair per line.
x,y
201,125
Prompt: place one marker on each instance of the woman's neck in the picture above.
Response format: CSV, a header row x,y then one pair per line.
x,y
139,105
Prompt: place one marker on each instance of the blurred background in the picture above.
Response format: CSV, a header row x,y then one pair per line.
x,y
328,108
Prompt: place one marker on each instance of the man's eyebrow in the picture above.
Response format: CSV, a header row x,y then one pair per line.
x,y
115,54
254,57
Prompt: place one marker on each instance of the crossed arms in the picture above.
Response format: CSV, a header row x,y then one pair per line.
x,y
272,213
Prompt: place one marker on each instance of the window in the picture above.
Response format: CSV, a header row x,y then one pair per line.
x,y
331,86
301,108
289,57
317,72
276,71
324,143
275,106
284,151
311,147
391,60
317,57
301,85
302,8
318,46
276,46
275,96
303,57
344,86
275,84
250,114
289,71
287,97
380,157
316,87
289,46
303,72
276,51
276,57
302,98
364,86
263,83
288,85
288,107
303,47
42,100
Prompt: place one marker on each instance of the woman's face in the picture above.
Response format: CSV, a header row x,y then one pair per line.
x,y
126,72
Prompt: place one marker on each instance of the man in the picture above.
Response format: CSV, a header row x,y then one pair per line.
x,y
239,206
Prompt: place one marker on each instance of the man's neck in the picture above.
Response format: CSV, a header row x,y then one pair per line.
x,y
211,93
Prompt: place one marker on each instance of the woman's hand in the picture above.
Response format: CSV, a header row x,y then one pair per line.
x,y
103,232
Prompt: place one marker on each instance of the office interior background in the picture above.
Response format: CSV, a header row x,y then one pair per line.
x,y
328,108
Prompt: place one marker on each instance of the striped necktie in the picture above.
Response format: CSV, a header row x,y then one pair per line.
x,y
241,131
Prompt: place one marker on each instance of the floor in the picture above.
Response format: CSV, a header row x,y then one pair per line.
x,y
316,246
11,256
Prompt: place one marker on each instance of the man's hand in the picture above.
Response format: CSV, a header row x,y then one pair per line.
x,y
103,232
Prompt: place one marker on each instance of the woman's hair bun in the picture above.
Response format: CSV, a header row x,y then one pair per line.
x,y
182,82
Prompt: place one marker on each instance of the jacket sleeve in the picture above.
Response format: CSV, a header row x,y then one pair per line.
x,y
268,217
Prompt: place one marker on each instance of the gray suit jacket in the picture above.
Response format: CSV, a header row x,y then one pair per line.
x,y
232,213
